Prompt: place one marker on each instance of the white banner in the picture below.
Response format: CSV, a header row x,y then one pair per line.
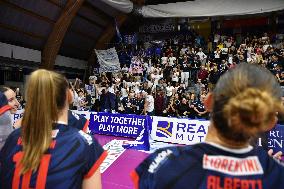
x,y
108,60
180,131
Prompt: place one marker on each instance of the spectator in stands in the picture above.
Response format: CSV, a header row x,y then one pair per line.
x,y
149,103
199,108
82,102
20,98
111,97
172,60
124,69
183,108
202,56
103,101
164,59
198,87
25,159
185,70
159,103
213,77
202,74
170,110
241,108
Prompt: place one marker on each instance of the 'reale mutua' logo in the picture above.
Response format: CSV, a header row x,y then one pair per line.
x,y
164,129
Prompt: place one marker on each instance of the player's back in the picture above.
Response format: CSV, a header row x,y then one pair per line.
x,y
209,166
70,158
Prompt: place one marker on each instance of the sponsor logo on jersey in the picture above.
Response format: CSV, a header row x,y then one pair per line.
x,y
159,159
164,129
233,166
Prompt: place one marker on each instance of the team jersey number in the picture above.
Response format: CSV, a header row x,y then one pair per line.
x,y
41,177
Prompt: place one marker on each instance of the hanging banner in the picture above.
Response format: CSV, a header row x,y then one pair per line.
x,y
180,131
108,60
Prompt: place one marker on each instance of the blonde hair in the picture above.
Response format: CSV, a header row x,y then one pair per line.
x,y
46,96
245,102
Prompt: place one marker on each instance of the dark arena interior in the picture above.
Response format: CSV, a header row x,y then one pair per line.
x,y
144,94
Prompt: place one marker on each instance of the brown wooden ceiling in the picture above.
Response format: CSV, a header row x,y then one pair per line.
x,y
29,23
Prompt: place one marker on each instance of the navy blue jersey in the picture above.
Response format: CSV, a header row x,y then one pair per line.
x,y
73,155
77,121
209,166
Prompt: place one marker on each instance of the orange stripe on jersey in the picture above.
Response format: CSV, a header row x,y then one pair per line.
x,y
19,141
86,126
4,109
17,175
135,178
52,144
96,165
26,180
42,171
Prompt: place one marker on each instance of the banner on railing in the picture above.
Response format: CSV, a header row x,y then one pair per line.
x,y
125,125
180,131
164,129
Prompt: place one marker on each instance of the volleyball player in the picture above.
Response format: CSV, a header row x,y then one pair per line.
x,y
244,103
45,152
12,100
5,120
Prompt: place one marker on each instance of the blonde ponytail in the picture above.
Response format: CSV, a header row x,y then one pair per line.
x,y
246,100
46,94
251,111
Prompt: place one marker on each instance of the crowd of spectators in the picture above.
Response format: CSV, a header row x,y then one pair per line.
x,y
172,77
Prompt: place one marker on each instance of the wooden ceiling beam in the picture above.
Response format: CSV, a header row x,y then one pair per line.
x,y
57,34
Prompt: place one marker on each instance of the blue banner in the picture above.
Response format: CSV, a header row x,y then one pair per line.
x,y
142,141
125,125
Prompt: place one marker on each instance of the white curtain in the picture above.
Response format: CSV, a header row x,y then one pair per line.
x,y
200,8
124,6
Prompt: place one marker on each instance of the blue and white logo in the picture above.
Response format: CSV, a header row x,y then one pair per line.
x,y
164,129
